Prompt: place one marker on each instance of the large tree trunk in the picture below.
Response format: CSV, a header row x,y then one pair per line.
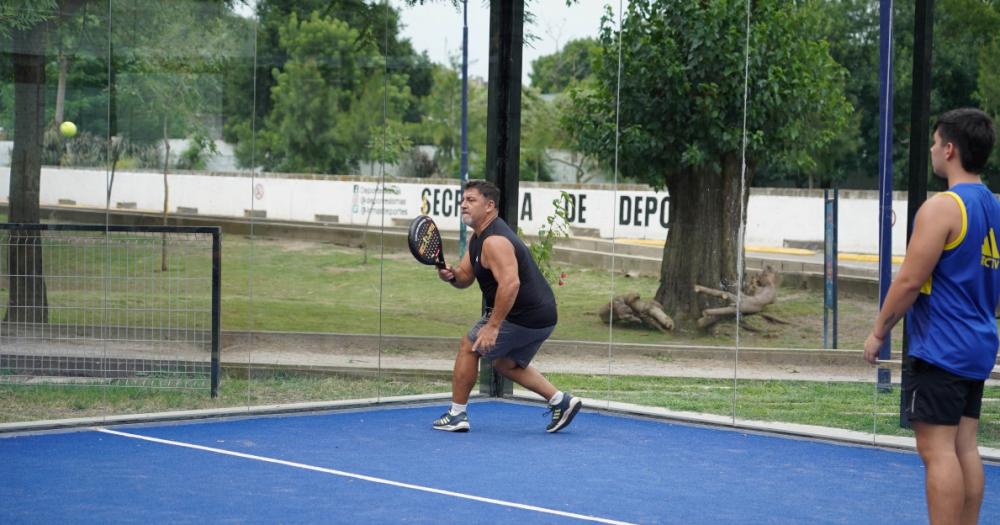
x,y
702,243
27,301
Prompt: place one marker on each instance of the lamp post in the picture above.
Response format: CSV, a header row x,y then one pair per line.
x,y
465,119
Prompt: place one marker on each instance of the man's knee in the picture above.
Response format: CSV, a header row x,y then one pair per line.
x,y
465,348
504,364
936,441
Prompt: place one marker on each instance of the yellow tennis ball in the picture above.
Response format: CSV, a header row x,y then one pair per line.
x,y
68,129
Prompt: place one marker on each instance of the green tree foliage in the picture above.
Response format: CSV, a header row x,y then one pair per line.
x,y
967,64
682,115
554,73
248,101
555,228
171,59
964,30
539,132
332,88
988,90
442,126
80,35
26,14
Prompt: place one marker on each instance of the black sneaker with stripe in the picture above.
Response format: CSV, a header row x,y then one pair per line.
x,y
563,413
450,423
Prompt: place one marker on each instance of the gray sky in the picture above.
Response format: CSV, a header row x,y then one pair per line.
x,y
436,27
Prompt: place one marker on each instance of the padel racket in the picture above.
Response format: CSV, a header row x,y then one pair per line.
x,y
425,241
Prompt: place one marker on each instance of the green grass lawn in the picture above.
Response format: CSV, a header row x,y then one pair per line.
x,y
841,405
837,405
297,286
35,402
318,287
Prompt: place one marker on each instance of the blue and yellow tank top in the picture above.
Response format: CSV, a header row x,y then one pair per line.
x,y
952,323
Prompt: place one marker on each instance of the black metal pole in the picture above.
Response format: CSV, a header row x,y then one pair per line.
x,y
836,262
923,37
503,133
830,263
464,165
216,308
503,112
923,33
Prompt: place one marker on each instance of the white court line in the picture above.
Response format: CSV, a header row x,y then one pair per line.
x,y
362,477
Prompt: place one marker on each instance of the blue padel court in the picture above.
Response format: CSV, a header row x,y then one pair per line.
x,y
387,465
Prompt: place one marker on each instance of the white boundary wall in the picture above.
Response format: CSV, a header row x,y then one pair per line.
x,y
774,216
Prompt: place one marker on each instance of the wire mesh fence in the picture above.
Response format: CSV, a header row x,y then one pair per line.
x,y
115,305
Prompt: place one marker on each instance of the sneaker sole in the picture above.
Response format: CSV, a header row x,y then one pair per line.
x,y
574,406
458,427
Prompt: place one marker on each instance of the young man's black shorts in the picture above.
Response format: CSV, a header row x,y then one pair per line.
x,y
936,396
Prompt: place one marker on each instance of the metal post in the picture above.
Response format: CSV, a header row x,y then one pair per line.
x,y
503,133
464,175
830,261
503,119
923,35
885,173
216,308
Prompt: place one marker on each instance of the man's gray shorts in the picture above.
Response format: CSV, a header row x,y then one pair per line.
x,y
514,341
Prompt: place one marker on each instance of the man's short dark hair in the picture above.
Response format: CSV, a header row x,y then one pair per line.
x,y
486,189
972,132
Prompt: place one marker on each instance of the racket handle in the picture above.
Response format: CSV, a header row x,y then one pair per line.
x,y
442,266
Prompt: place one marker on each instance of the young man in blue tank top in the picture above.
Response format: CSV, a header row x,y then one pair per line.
x,y
950,277
520,311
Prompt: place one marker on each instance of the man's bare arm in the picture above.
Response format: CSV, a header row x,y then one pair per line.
x,y
464,274
498,254
938,222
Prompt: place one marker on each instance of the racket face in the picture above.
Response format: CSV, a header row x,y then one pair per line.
x,y
425,241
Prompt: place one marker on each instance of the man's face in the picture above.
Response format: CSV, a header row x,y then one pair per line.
x,y
475,207
938,155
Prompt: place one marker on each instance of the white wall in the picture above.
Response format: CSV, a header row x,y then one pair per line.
x,y
632,211
775,216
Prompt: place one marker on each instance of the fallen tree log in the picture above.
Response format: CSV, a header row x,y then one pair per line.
x,y
760,292
630,310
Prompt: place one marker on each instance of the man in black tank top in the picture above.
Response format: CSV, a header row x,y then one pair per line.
x,y
520,311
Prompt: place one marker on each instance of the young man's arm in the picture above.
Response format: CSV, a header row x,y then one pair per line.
x,y
938,222
498,256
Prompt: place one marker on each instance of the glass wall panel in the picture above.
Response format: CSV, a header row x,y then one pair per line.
x,y
168,65
229,188
955,40
663,185
663,221
808,132
53,131
963,73
316,240
413,163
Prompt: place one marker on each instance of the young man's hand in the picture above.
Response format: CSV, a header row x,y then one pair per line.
x,y
872,346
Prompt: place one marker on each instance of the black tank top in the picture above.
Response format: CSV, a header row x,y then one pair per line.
x,y
535,305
